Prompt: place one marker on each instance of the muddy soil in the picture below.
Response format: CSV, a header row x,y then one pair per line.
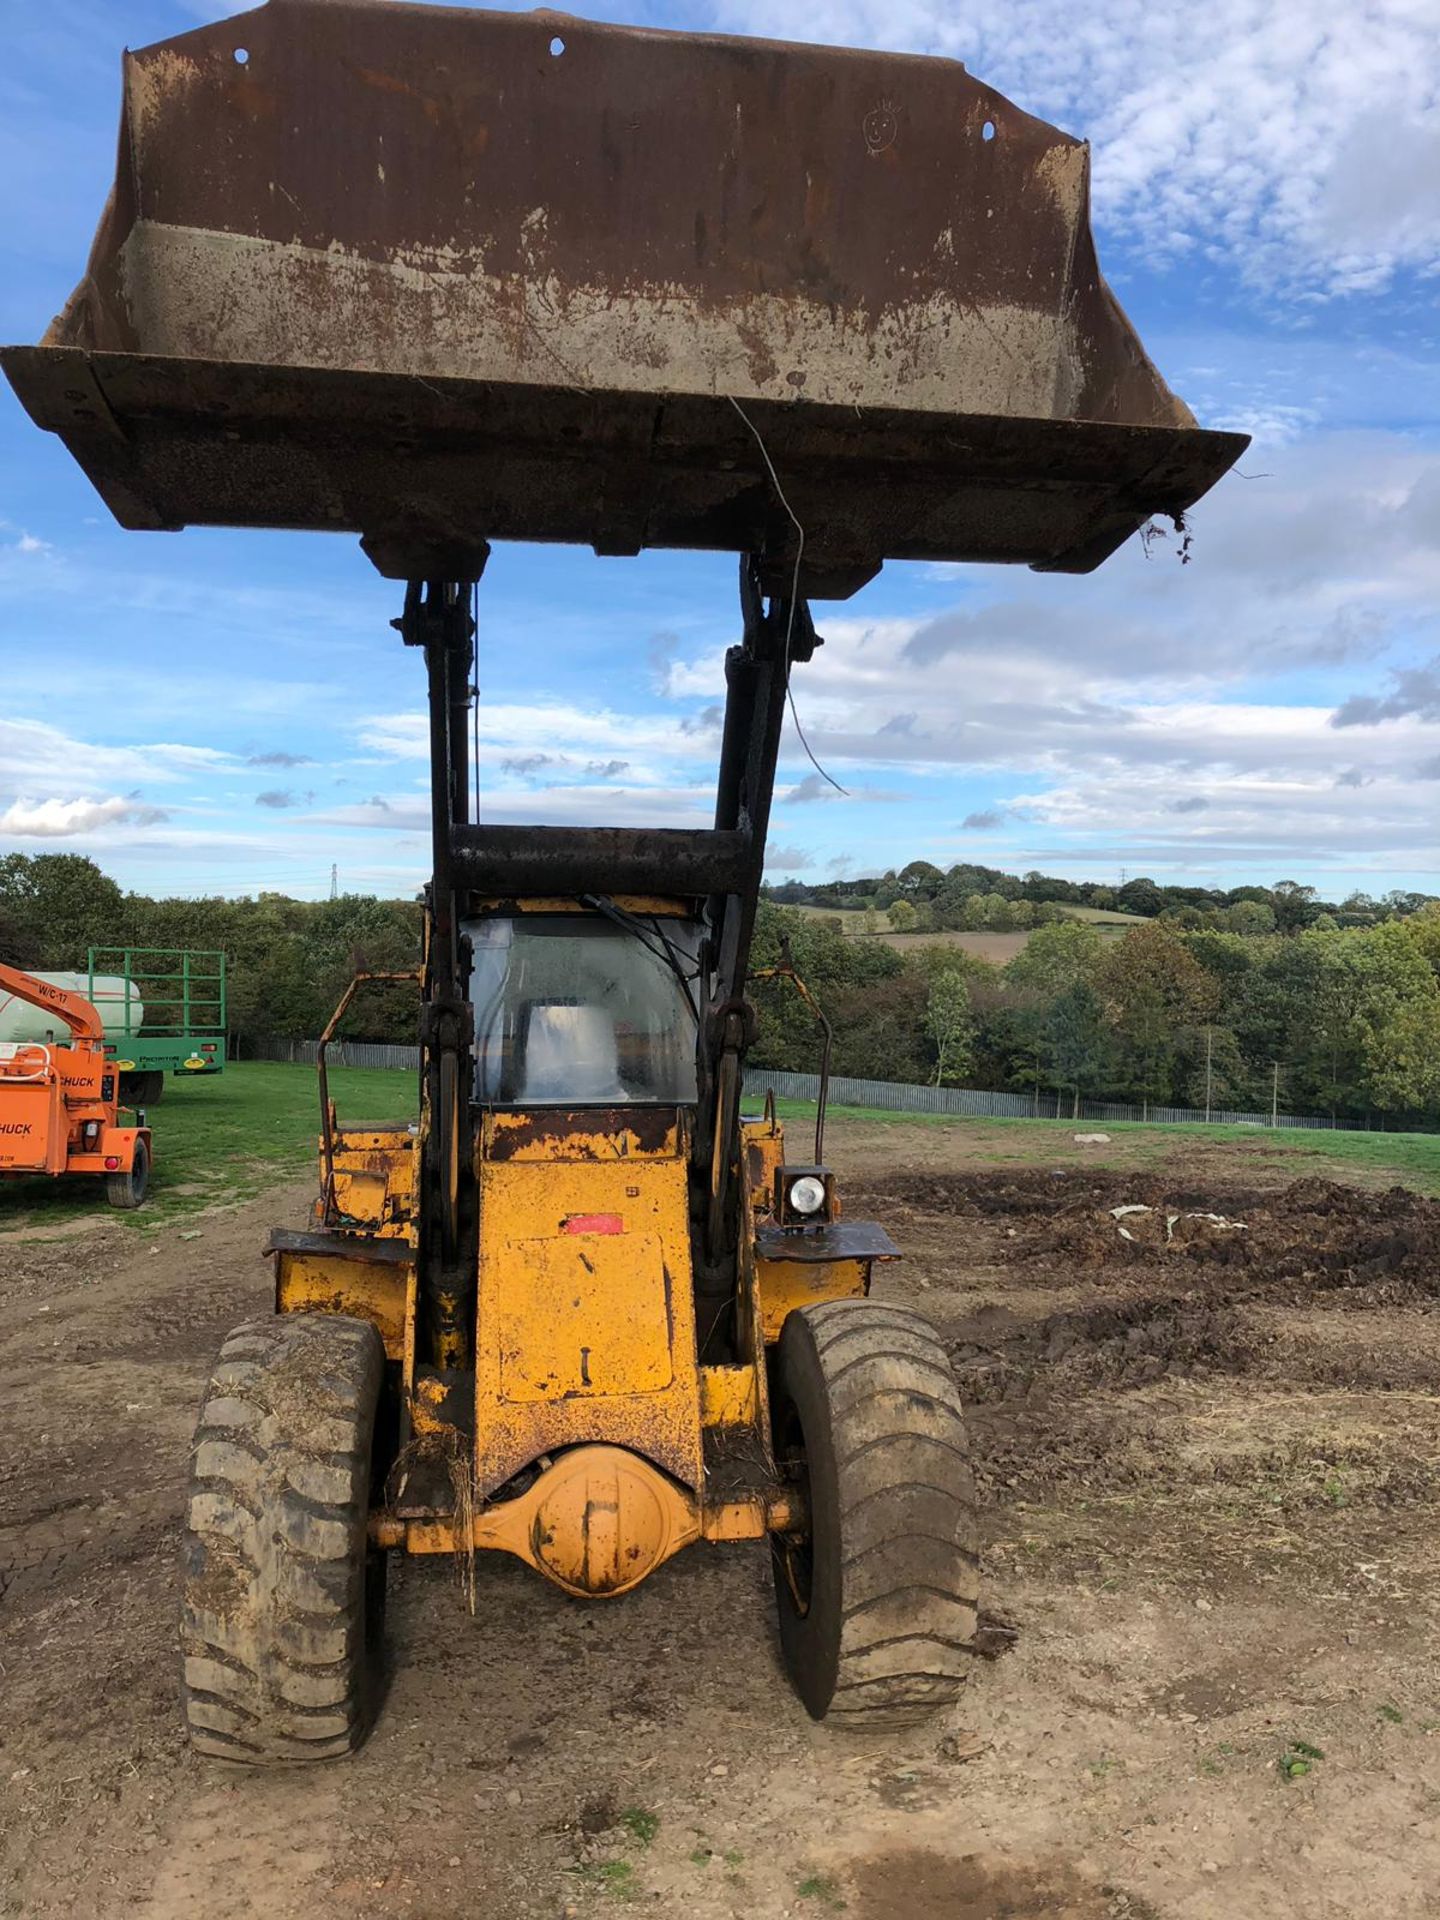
x,y
1210,1451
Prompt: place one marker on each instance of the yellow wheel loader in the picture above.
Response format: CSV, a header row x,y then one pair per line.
x,y
438,277
587,1312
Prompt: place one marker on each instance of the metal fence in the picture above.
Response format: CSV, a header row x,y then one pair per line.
x,y
343,1053
888,1095
1042,1104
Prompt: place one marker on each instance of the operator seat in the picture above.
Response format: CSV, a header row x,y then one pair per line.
x,y
571,1055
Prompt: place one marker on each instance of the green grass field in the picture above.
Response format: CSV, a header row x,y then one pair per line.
x,y
222,1140
1109,922
1105,916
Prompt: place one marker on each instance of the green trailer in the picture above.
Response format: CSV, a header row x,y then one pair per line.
x,y
168,1017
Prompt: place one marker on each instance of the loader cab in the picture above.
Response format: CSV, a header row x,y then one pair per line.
x,y
585,1006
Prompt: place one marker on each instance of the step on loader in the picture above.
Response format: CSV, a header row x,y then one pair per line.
x,y
437,276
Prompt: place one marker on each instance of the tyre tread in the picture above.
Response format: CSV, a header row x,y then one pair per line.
x,y
274,1575
908,1550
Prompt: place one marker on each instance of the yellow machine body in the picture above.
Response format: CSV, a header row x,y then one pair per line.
x,y
592,1441
375,1180
895,343
585,1291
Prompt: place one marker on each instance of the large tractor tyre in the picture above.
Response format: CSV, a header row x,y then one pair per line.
x,y
283,1596
142,1089
128,1189
878,1590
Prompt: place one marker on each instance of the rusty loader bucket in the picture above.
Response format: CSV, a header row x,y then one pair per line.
x,y
438,276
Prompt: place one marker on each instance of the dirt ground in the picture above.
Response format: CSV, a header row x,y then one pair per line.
x,y
1210,1455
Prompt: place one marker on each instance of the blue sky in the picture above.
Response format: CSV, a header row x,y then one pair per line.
x,y
219,711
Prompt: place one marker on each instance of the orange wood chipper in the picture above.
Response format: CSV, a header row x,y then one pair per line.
x,y
59,1112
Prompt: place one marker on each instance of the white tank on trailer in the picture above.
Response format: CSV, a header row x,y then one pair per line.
x,y
113,997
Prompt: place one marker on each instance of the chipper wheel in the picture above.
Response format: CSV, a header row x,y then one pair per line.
x,y
128,1189
281,1609
878,1592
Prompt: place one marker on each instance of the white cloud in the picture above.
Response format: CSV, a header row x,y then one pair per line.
x,y
1298,142
785,859
524,732
38,757
1269,422
572,804
700,677
1121,703
63,819
1255,821
1110,707
813,787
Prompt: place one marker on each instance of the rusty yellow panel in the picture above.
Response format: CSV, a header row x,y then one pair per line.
x,y
427,1406
764,1153
729,1396
787,1284
745,1519
584,1276
361,1196
604,1321
391,1139
375,1179
407,1358
554,1134
332,1283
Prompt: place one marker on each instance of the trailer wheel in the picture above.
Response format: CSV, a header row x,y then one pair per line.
x,y
878,1591
128,1189
142,1089
283,1596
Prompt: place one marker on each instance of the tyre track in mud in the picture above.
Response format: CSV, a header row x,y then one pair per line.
x,y
105,1336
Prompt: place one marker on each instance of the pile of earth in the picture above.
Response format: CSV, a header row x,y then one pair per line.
x,y
1311,1234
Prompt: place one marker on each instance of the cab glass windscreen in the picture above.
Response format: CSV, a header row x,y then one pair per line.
x,y
577,1011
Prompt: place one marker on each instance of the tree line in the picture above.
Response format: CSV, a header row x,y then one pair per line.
x,y
1330,1017
973,898
1326,1019
287,961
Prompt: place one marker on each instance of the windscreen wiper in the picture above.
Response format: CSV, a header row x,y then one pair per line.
x,y
664,952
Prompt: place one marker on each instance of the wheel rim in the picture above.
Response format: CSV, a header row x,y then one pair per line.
x,y
794,1551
